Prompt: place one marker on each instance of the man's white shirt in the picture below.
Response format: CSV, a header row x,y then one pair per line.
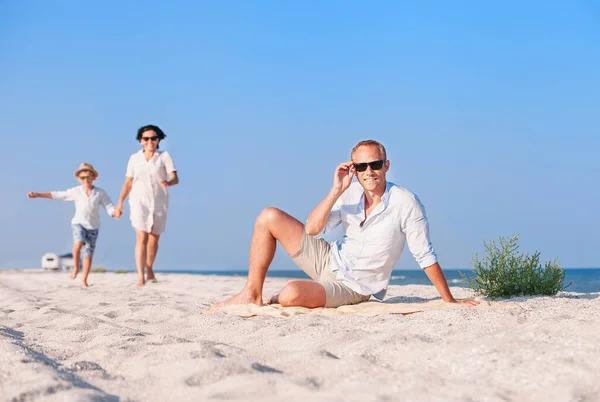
x,y
365,257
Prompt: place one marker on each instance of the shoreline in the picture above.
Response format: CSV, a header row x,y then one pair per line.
x,y
583,280
184,271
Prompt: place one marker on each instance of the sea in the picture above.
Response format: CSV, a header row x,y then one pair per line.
x,y
582,280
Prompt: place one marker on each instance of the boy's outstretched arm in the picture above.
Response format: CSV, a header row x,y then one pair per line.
x,y
33,194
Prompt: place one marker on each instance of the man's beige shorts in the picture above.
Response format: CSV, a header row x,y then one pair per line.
x,y
313,258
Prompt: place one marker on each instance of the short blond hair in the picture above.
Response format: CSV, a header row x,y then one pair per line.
x,y
370,143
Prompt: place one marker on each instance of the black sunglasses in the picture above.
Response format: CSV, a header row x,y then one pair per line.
x,y
155,138
375,165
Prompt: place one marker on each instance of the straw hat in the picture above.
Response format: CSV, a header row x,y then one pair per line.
x,y
86,166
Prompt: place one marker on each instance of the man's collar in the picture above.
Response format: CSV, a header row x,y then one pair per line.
x,y
385,197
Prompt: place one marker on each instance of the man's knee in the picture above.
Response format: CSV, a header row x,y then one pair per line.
x,y
299,294
269,215
290,295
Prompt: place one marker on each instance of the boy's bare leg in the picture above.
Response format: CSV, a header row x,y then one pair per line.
x,y
76,258
141,243
151,251
272,225
87,264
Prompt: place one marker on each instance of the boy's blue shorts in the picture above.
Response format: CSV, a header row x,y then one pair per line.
x,y
87,236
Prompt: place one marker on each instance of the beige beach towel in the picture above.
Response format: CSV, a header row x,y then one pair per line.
x,y
367,309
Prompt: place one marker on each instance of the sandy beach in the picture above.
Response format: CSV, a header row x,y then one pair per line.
x,y
113,342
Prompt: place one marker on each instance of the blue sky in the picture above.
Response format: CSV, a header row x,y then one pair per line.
x,y
489,112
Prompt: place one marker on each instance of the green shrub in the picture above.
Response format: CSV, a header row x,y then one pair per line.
x,y
120,271
505,272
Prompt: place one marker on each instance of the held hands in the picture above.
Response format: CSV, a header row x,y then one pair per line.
x,y
33,194
118,211
343,176
165,183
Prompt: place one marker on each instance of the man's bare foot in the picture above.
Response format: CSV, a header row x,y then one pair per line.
x,y
84,284
74,274
244,297
273,299
139,284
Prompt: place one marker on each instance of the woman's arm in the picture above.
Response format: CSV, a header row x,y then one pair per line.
x,y
124,193
173,180
171,170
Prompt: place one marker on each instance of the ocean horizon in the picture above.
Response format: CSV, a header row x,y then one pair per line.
x,y
583,280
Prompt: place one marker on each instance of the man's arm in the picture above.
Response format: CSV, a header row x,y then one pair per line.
x,y
319,216
436,276
416,228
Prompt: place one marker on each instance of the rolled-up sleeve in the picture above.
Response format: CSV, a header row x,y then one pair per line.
x,y
168,161
334,218
130,168
415,226
67,195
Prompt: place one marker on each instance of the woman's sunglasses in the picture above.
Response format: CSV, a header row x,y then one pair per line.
x,y
155,138
375,165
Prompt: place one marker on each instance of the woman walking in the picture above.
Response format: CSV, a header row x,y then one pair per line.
x,y
149,174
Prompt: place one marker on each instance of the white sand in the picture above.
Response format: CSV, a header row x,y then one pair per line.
x,y
114,342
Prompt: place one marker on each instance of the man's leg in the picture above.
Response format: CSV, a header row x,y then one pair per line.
x,y
151,251
141,242
76,258
301,294
272,225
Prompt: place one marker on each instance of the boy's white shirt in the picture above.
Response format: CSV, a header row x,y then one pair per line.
x,y
86,208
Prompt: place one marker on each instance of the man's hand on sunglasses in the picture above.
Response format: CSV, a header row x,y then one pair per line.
x,y
343,176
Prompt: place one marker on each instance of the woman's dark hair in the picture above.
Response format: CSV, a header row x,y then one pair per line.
x,y
159,133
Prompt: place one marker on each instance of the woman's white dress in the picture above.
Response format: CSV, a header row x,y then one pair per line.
x,y
149,199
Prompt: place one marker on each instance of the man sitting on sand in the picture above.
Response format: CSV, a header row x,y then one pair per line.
x,y
377,218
